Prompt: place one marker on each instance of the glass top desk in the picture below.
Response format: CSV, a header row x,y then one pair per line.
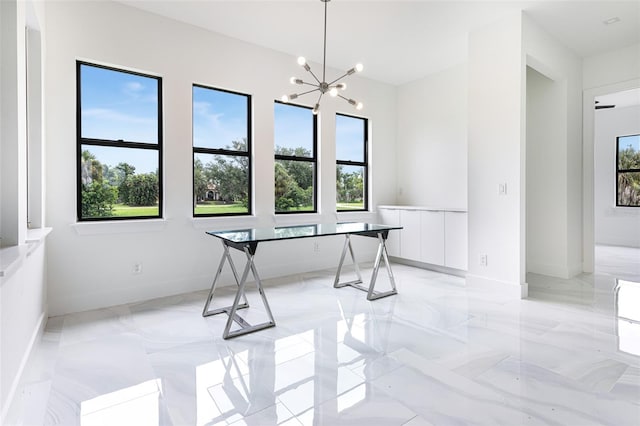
x,y
247,240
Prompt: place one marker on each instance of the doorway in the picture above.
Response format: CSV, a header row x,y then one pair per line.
x,y
603,94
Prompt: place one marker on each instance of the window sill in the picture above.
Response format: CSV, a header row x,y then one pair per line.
x,y
119,227
624,211
11,258
224,222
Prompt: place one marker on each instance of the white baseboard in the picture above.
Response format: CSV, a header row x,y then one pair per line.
x,y
558,271
514,289
429,266
35,337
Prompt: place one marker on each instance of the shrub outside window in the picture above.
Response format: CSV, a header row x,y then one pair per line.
x,y
628,171
221,152
295,136
351,163
119,144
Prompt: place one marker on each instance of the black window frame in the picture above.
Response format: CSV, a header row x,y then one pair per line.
x,y
313,159
364,164
226,152
619,171
80,141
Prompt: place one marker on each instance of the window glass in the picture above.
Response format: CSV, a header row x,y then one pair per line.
x,y
221,152
351,163
293,130
628,171
118,105
219,119
295,159
350,138
119,144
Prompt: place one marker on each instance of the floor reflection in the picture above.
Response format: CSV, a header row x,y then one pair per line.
x,y
439,352
137,405
628,316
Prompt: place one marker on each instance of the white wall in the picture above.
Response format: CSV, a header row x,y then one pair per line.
x,y
23,316
494,154
611,67
23,308
13,226
558,253
613,225
432,140
602,74
545,169
90,264
498,57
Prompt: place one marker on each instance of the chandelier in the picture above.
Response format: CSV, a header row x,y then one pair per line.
x,y
333,87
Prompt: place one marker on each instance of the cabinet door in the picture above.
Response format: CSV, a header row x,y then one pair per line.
x,y
391,217
410,234
455,240
432,237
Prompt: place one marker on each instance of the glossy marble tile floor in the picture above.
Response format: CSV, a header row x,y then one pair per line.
x,y
438,353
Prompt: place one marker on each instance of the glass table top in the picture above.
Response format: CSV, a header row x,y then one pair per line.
x,y
254,235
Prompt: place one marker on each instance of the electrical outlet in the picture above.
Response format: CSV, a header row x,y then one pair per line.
x,y
137,268
483,260
502,189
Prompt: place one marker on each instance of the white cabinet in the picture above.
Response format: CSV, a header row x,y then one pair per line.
x,y
410,234
391,217
455,240
432,237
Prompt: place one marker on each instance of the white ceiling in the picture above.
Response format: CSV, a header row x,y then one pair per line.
x,y
398,41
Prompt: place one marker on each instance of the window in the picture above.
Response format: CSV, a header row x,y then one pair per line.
x,y
119,150
351,163
221,152
628,171
295,137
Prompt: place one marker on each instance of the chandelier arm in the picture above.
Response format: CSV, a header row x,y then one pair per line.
x,y
314,76
349,100
339,78
307,92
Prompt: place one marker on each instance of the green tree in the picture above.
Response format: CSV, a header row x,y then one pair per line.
x,y
300,171
97,197
629,182
142,189
125,172
200,183
349,186
229,174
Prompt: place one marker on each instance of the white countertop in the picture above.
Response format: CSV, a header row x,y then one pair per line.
x,y
430,208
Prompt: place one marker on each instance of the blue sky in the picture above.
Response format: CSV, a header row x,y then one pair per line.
x,y
219,118
118,105
293,127
633,140
349,138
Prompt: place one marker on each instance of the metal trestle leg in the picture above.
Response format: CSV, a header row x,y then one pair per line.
x,y
231,311
357,283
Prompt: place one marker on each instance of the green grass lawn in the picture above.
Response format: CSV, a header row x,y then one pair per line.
x,y
298,209
122,210
220,208
350,206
